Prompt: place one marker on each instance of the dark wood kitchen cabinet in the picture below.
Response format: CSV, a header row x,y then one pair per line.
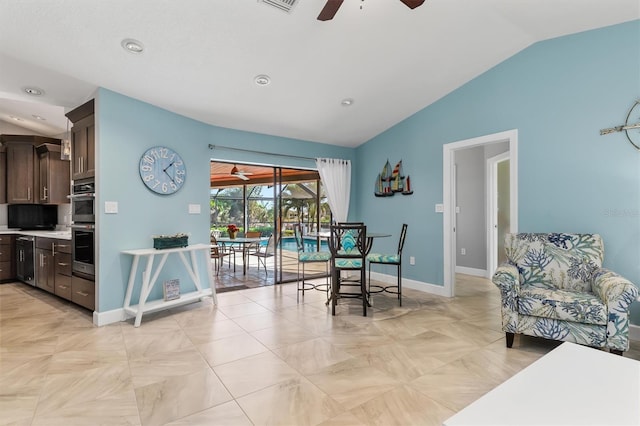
x,y
54,184
83,141
3,175
62,260
45,265
20,173
22,168
7,258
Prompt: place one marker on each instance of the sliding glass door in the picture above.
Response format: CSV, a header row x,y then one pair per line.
x,y
270,200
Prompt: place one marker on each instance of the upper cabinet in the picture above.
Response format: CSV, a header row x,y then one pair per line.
x,y
23,171
82,141
3,175
54,183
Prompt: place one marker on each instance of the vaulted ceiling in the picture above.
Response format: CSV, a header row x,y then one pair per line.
x,y
201,57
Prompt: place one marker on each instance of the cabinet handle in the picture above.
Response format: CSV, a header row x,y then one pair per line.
x,y
63,287
44,193
82,293
63,245
63,264
53,249
29,193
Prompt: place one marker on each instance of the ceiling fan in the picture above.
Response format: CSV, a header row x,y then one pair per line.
x,y
331,7
239,173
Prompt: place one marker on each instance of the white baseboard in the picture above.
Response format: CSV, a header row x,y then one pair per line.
x,y
471,271
438,290
109,317
634,332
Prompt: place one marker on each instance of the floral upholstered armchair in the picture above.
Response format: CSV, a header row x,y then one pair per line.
x,y
553,286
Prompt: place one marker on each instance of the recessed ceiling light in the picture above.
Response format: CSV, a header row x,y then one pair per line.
x,y
15,118
132,46
262,80
38,117
347,102
33,91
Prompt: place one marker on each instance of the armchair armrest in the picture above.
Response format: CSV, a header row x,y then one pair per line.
x,y
615,291
507,279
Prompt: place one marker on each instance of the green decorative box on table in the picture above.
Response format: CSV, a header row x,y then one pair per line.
x,y
170,241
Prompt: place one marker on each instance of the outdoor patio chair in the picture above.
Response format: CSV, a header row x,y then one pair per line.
x,y
265,252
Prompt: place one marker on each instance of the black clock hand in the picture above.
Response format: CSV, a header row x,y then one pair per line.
x,y
165,171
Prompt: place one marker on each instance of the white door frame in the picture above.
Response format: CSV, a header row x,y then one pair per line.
x,y
492,210
448,160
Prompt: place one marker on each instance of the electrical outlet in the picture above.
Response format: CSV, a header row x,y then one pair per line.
x,y
463,251
412,260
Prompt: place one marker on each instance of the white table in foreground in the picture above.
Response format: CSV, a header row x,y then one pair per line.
x,y
150,276
571,385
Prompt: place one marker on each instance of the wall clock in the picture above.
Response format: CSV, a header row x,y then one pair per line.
x,y
162,170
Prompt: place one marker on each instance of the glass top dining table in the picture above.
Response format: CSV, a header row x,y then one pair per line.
x,y
244,242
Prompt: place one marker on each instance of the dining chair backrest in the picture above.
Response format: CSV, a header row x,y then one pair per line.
x,y
270,249
348,240
403,235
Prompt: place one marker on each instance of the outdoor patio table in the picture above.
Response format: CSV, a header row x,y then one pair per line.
x,y
244,242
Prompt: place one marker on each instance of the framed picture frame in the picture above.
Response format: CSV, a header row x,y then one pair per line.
x,y
172,289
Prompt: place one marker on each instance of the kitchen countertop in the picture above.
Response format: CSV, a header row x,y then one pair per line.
x,y
59,234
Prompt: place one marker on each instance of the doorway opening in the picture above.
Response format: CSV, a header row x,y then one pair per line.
x,y
452,170
267,200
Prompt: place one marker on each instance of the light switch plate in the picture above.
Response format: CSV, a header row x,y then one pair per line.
x,y
439,208
111,207
194,208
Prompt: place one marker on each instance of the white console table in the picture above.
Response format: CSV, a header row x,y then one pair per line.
x,y
150,276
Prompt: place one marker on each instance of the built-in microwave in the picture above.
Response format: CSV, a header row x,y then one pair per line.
x,y
83,201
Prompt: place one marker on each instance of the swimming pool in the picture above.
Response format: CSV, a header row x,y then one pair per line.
x,y
310,244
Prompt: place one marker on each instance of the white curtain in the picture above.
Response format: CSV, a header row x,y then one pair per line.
x,y
335,175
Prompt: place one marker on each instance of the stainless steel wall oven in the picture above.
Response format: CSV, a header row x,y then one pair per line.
x,y
83,253
83,228
83,201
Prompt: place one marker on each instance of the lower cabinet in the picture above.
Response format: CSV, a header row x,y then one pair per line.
x,y
83,292
7,257
45,268
62,260
53,273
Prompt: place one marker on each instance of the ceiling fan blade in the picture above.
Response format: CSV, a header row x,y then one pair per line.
x,y
241,176
329,10
412,4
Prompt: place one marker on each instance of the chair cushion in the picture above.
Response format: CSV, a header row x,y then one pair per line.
x,y
346,263
562,305
383,258
556,261
314,256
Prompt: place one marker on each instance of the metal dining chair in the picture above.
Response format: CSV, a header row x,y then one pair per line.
x,y
306,257
348,244
389,259
265,252
219,252
253,247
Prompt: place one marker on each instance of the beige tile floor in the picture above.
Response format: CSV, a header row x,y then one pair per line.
x,y
257,358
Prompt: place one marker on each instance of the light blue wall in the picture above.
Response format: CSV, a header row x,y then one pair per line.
x,y
125,129
558,94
